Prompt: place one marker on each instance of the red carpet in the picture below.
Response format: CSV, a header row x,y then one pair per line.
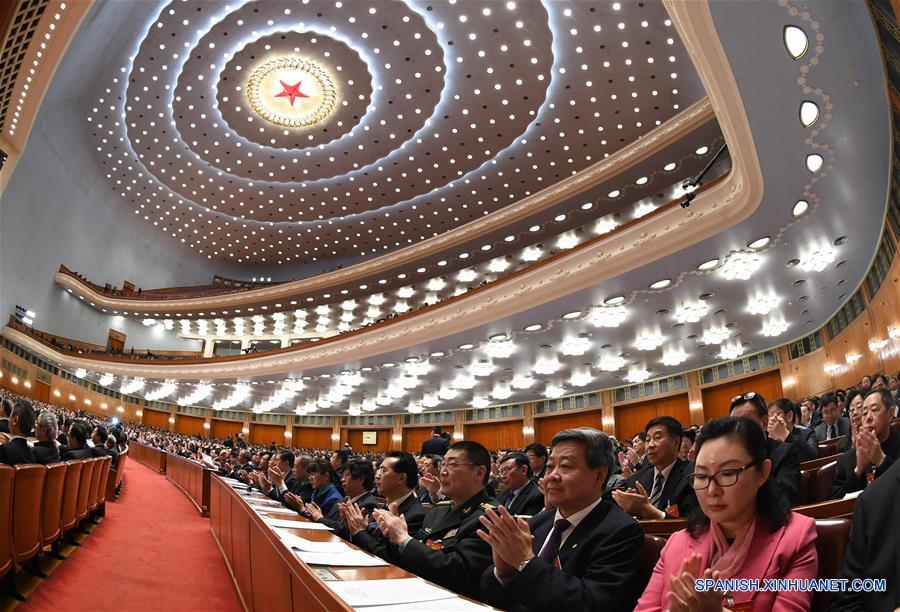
x,y
153,551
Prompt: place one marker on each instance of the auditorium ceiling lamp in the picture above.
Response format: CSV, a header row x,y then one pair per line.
x,y
567,241
637,374
817,258
531,253
431,400
240,394
809,113
415,408
731,350
435,284
291,92
201,392
502,390
691,312
775,327
405,293
479,401
607,316
482,368
466,275
463,381
499,348
133,386
740,265
852,358
581,376
893,332
814,162
643,209
106,380
554,390
763,304
383,399
674,357
418,367
547,362
611,363
648,341
80,373
522,382
575,347
715,335
447,393
605,226
876,344
795,41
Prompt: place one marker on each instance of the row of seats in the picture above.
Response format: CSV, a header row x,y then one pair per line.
x,y
41,504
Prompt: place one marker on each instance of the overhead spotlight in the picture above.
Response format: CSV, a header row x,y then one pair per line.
x,y
690,186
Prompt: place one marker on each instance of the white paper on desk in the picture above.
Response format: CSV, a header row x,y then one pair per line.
x,y
853,495
309,546
285,524
278,511
258,501
353,558
358,593
454,604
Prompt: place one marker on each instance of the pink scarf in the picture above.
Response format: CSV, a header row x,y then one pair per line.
x,y
728,560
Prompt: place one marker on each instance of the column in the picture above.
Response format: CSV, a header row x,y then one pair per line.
x,y
459,418
607,413
246,428
209,346
397,433
336,432
172,418
289,431
528,423
207,425
695,399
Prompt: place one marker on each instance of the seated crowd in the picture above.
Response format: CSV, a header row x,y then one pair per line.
x,y
555,528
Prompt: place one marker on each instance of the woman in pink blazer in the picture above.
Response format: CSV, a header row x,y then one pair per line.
x,y
745,530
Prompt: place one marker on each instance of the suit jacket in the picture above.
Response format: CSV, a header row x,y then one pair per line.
x,y
598,566
843,429
435,445
785,466
373,540
806,442
676,492
845,479
530,500
99,451
873,546
446,550
4,425
45,452
786,552
237,469
72,454
16,451
333,517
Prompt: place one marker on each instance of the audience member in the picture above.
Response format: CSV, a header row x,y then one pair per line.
x,y
783,416
45,449
743,528
854,414
325,492
436,444
688,437
21,424
6,408
77,447
537,455
522,495
357,480
429,484
833,425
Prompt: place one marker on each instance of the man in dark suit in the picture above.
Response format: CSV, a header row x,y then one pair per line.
x,y
782,425
280,478
6,408
874,546
446,550
660,490
45,449
357,482
429,491
583,555
396,481
522,495
877,447
537,454
242,467
833,425
784,457
77,448
21,423
436,444
98,437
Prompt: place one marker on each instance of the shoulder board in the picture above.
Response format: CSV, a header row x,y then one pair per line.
x,y
446,502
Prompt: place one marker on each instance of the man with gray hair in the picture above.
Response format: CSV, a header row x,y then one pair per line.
x,y
584,555
46,449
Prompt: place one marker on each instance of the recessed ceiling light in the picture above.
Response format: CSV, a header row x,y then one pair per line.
x,y
617,299
669,167
509,238
814,162
660,284
642,181
800,207
465,347
702,150
559,218
708,265
759,243
587,206
438,354
840,240
572,315
791,263
795,41
498,337
613,194
534,228
809,113
535,327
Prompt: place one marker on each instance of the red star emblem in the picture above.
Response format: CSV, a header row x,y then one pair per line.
x,y
291,91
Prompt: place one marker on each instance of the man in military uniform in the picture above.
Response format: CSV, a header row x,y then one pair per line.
x,y
446,550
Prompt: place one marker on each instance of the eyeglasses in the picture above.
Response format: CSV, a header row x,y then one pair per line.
x,y
723,478
750,396
452,465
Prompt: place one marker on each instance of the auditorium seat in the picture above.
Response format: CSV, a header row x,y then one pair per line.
x,y
28,494
829,447
69,513
7,475
84,489
54,489
653,545
115,478
101,489
803,487
94,495
832,536
823,482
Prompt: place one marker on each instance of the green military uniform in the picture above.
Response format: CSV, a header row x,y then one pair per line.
x,y
446,550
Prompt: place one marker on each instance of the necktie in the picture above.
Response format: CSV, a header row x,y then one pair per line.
x,y
831,432
657,489
550,553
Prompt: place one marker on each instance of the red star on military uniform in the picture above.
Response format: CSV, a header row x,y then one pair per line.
x,y
291,91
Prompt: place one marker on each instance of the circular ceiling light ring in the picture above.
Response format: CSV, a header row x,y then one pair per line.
x,y
255,96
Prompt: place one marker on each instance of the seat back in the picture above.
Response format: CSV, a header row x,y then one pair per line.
x,y
803,488
832,536
829,447
93,494
653,546
68,516
115,477
28,494
104,478
54,486
84,488
7,476
824,480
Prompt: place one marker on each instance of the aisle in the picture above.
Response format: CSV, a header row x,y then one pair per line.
x,y
153,551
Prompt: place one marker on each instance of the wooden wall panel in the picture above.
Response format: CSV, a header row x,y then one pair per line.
x,y
265,434
854,339
494,436
632,418
220,428
884,310
355,438
312,437
414,436
546,427
809,375
190,425
717,399
156,418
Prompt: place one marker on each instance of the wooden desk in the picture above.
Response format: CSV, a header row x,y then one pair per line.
x,y
153,458
267,574
836,508
192,478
